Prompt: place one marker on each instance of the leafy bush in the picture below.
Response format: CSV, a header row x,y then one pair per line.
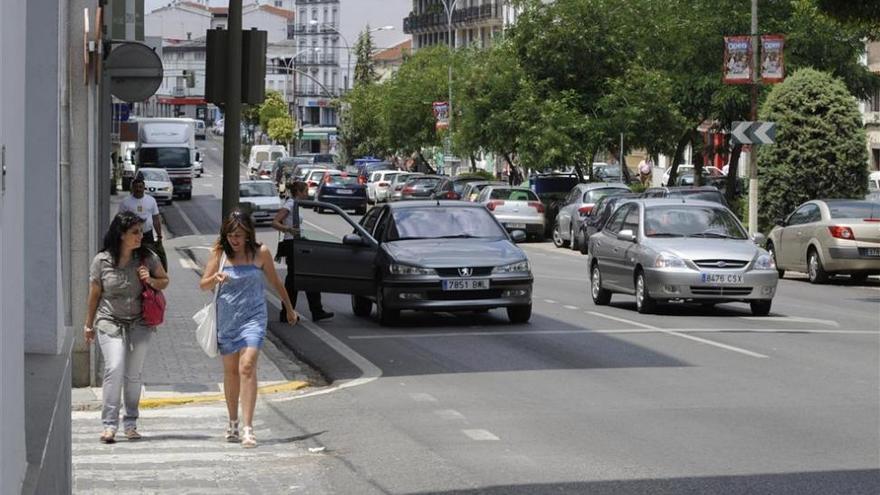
x,y
820,147
483,174
637,187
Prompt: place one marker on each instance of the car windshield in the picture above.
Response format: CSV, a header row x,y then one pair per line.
x,y
445,223
254,189
154,175
692,221
513,195
339,180
267,165
261,155
713,196
854,209
593,195
164,157
276,155
426,182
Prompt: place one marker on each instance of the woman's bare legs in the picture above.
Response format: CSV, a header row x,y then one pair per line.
x,y
231,383
247,369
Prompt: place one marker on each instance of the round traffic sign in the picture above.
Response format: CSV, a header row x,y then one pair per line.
x,y
135,71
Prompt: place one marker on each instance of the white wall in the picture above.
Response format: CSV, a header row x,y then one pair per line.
x,y
274,25
12,111
174,23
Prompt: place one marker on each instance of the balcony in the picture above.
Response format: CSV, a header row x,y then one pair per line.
x,y
312,89
872,118
461,18
316,59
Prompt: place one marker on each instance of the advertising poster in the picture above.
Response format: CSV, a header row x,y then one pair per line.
x,y
441,114
772,60
737,60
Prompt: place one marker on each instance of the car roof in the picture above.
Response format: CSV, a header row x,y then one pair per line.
x,y
588,186
675,202
255,182
432,202
153,169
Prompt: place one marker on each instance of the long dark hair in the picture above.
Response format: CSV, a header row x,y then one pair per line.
x,y
121,223
238,219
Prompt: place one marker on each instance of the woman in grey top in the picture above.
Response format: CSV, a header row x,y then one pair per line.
x,y
116,280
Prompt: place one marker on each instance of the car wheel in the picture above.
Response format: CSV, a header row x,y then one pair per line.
x,y
361,306
601,297
585,245
645,304
761,308
519,314
361,211
385,315
816,272
188,195
772,250
572,240
557,237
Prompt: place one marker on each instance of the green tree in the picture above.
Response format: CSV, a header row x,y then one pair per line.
x,y
363,130
820,145
365,67
281,129
272,107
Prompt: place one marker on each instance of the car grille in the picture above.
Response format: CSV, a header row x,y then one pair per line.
x,y
720,291
462,295
478,271
724,264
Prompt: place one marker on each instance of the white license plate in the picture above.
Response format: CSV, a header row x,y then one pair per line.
x,y
344,191
516,225
467,284
721,278
872,251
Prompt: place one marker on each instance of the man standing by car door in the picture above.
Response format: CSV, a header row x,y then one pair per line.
x,y
144,206
288,221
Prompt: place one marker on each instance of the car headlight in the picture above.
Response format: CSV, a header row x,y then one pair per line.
x,y
520,266
764,262
667,260
397,269
165,189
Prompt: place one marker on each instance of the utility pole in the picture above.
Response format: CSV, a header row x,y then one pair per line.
x,y
753,149
232,119
450,10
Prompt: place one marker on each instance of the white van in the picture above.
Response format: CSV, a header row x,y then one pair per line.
x,y
264,152
201,130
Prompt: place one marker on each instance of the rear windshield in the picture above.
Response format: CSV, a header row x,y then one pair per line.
x,y
593,195
445,222
854,209
514,195
713,196
277,154
339,180
262,155
426,181
254,189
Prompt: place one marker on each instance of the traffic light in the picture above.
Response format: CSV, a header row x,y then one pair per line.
x,y
299,133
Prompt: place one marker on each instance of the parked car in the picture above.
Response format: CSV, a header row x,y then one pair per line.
x,y
421,187
445,189
595,220
579,202
419,255
315,176
262,152
263,198
459,182
365,169
471,190
829,237
325,159
705,193
263,171
687,168
344,191
379,185
286,167
682,250
517,208
157,184
398,182
198,164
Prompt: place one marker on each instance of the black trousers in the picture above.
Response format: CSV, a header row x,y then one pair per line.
x,y
150,242
314,298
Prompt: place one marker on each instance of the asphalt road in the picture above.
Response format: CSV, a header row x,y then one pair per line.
x,y
588,399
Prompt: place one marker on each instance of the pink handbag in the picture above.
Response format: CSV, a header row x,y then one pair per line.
x,y
152,305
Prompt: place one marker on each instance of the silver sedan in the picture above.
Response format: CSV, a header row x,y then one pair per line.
x,y
679,250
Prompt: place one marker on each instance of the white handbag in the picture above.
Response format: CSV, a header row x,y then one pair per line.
x,y
206,319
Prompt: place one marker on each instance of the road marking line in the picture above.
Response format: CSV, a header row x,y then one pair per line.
x,y
549,301
684,336
792,319
188,264
644,331
189,223
480,435
422,397
369,371
450,414
322,229
570,307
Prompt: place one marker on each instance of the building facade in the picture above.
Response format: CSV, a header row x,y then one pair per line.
x,y
189,20
317,64
389,60
871,108
474,22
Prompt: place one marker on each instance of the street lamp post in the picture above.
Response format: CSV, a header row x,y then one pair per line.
x,y
314,22
450,9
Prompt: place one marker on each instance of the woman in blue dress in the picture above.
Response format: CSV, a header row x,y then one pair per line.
x,y
242,315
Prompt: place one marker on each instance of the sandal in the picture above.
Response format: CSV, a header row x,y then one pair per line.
x,y
109,435
132,434
232,431
248,440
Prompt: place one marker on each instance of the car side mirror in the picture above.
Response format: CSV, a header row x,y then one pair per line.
x,y
779,221
353,240
759,238
518,236
198,156
626,235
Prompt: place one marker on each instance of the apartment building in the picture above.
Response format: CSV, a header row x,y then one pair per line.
x,y
474,22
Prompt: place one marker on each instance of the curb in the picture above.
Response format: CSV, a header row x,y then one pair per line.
x,y
198,399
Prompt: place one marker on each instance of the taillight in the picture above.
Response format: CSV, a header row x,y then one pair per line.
x,y
871,219
537,205
451,195
492,204
408,190
585,210
383,184
313,183
362,179
841,232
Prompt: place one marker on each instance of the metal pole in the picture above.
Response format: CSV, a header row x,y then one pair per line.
x,y
232,122
753,151
620,156
451,44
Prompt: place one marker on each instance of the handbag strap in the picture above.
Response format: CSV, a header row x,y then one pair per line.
x,y
222,263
